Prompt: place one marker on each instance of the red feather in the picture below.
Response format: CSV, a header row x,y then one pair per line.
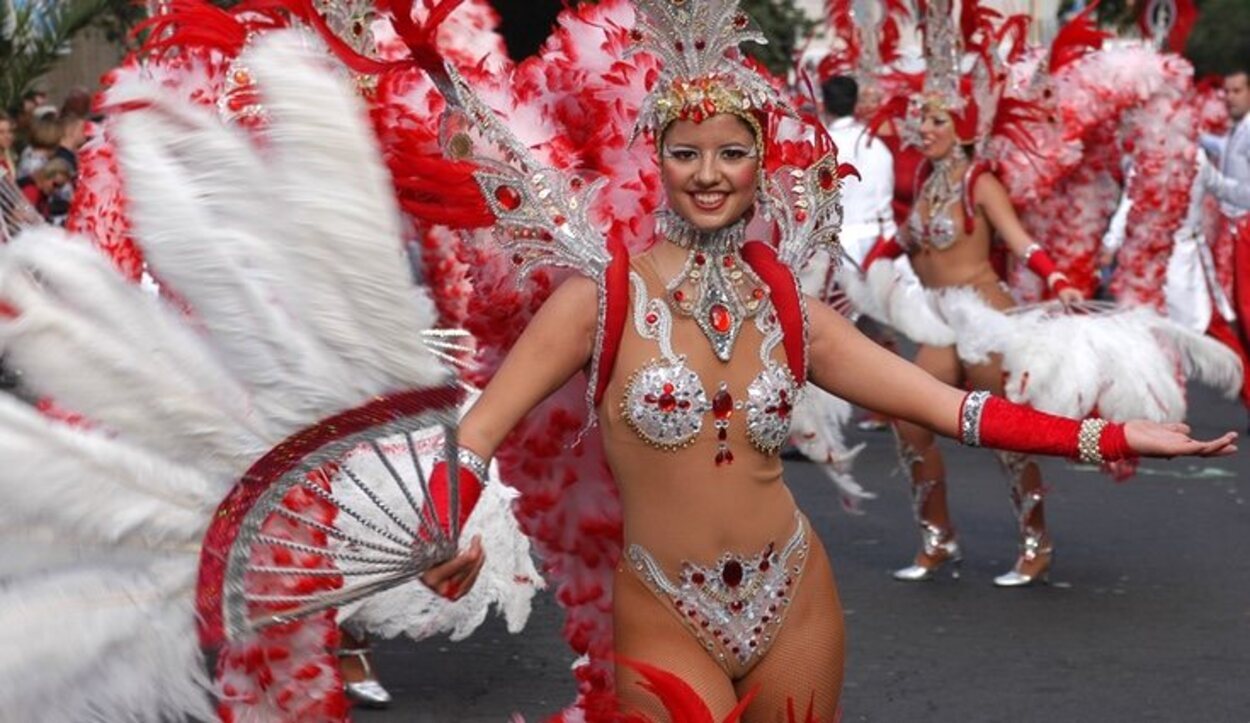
x,y
681,702
1076,39
201,25
888,44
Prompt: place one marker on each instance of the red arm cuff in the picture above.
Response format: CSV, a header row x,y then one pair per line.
x,y
885,248
989,421
1040,263
470,490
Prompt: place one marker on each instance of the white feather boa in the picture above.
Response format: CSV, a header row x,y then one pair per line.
x,y
816,431
1124,364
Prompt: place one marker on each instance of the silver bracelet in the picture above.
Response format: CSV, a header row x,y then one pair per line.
x,y
1089,441
970,418
469,460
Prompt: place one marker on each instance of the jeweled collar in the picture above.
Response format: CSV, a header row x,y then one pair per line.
x,y
715,287
670,225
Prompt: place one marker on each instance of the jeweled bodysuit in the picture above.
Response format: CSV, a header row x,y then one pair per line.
x,y
699,424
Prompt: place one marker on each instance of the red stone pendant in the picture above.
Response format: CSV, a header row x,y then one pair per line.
x,y
508,197
720,318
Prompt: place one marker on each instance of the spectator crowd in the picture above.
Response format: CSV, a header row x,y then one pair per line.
x,y
39,145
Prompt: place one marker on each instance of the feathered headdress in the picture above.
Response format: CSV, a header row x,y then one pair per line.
x,y
702,72
974,99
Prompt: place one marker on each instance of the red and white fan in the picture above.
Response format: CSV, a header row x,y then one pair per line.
x,y
245,451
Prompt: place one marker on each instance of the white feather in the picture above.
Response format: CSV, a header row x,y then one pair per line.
x,y
508,580
111,644
893,297
87,486
188,411
222,259
816,430
345,235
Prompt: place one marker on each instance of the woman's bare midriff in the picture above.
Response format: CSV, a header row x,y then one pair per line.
x,y
965,263
680,505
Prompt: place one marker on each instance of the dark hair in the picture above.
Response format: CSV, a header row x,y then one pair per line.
x,y
841,93
1239,69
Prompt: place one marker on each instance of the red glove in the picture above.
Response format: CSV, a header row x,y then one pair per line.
x,y
1040,263
884,248
988,421
470,490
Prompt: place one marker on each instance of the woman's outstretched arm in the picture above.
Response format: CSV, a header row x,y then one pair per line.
x,y
846,363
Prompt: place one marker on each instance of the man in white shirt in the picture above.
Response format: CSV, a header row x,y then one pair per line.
x,y
867,213
867,210
1231,156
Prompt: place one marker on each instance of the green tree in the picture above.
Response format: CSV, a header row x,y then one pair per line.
x,y
1220,42
34,35
785,25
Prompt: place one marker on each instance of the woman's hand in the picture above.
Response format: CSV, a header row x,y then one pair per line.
x,y
454,578
1069,295
1152,439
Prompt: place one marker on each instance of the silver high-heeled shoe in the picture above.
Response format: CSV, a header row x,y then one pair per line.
x,y
367,693
951,556
1033,543
939,543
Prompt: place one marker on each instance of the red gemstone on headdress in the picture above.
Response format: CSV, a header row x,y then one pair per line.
x,y
518,259
723,404
719,317
680,46
559,220
508,197
757,293
740,21
826,179
728,261
700,259
731,575
635,35
699,44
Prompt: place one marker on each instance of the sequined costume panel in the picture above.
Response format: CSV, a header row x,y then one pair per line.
x,y
736,605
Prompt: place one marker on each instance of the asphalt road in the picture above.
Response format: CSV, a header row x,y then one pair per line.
x,y
1147,619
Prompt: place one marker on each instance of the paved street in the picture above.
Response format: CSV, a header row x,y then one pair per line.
x,y
1148,619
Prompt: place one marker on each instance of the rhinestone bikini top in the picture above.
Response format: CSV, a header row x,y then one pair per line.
x,y
666,403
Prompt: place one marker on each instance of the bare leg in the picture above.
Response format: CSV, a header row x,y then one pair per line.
x,y
922,462
805,662
646,630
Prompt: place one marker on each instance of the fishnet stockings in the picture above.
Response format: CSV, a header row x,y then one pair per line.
x,y
804,664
